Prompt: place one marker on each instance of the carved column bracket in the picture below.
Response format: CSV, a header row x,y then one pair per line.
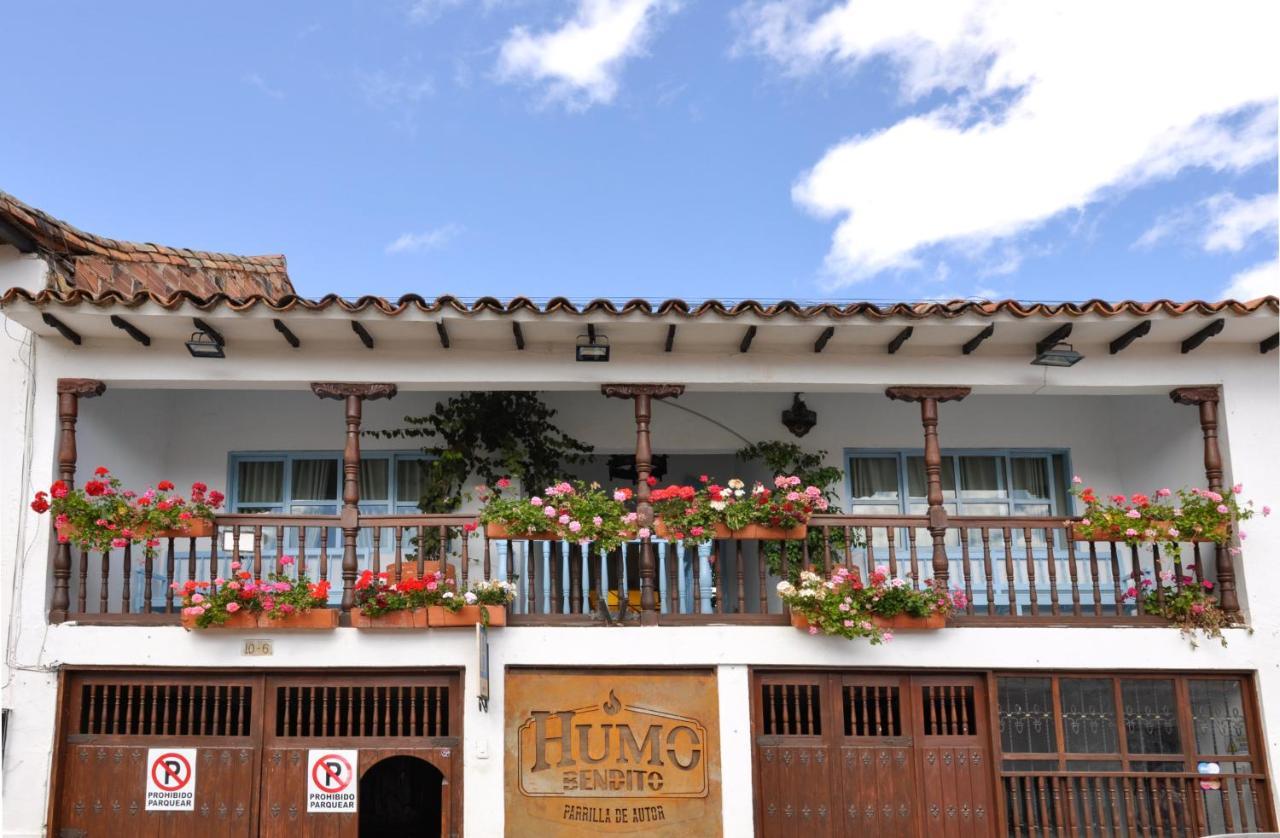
x,y
85,388
1207,399
630,391
929,398
340,390
919,394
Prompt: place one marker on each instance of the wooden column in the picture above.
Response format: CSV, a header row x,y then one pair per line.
x,y
1207,398
70,392
929,397
354,395
643,395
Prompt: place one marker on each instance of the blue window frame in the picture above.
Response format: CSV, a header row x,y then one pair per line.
x,y
986,482
310,482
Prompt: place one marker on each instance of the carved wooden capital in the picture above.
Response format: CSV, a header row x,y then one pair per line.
x,y
1195,395
630,391
919,394
85,388
340,390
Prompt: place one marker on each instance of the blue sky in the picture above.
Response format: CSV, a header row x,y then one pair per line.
x,y
849,149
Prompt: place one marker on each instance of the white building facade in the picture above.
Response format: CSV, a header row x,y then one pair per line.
x,y
1050,709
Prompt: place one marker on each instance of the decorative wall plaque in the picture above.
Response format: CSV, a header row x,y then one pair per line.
x,y
612,752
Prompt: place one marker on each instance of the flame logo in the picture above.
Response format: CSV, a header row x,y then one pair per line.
x,y
613,705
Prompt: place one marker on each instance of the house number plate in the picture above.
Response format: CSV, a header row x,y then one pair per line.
x,y
257,648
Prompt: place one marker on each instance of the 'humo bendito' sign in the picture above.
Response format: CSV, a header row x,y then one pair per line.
x,y
601,752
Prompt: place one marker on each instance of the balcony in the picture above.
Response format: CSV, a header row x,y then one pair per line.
x,y
1013,570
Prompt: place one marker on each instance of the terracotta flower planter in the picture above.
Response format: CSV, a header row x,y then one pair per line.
x,y
1161,527
197,528
240,621
799,621
906,622
317,619
413,618
500,531
751,532
469,615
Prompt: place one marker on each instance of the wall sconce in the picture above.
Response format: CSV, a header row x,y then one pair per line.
x,y
1060,354
798,418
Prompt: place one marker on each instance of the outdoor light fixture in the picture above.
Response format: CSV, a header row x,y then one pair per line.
x,y
593,347
202,345
1060,354
798,418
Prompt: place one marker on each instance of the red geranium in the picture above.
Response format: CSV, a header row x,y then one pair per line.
x,y
164,486
94,488
59,489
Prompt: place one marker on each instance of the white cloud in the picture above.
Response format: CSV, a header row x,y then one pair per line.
x,y
1259,281
1233,221
426,11
433,239
580,61
257,81
1052,107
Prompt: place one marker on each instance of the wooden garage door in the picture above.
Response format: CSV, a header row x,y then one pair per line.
x,y
109,722
251,735
871,754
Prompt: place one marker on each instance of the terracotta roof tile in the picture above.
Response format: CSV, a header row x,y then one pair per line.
x,y
194,271
215,299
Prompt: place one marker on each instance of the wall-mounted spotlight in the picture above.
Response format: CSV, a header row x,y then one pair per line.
x,y
1060,354
592,347
202,345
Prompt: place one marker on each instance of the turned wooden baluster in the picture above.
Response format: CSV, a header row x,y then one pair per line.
x,y
642,395
1207,398
929,398
354,395
70,391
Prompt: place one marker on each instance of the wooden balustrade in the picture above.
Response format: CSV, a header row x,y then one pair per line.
x,y
1139,805
1012,570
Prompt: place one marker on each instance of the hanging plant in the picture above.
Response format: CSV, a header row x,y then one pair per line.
x,y
787,458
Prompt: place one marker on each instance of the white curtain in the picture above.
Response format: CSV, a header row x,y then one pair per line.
x,y
260,482
875,477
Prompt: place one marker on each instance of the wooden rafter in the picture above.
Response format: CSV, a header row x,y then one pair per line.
x,y
1204,334
287,332
977,339
1121,343
363,333
821,343
902,337
62,328
747,338
130,329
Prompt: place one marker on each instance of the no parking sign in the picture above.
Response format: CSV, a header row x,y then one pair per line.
x,y
331,780
171,779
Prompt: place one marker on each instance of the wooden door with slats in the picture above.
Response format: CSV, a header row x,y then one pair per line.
x,y
110,720
888,755
251,733
381,715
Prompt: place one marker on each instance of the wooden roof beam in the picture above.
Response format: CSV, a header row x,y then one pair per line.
x,y
747,338
130,329
977,339
365,337
1268,344
1121,343
62,328
443,331
903,336
289,336
519,334
1057,335
671,338
821,343
1204,334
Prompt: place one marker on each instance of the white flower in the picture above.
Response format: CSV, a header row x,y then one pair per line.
x,y
718,505
448,594
735,483
469,598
